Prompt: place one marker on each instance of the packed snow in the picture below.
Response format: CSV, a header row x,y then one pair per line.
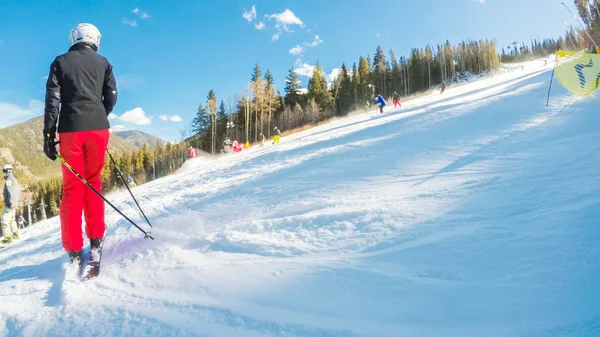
x,y
471,213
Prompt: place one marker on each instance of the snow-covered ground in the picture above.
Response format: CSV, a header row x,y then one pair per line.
x,y
472,213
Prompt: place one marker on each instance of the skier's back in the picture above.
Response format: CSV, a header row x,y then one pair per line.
x,y
82,83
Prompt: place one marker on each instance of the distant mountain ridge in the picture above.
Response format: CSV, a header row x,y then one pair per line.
x,y
139,138
22,146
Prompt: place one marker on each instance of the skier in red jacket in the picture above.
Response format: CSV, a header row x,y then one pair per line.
x,y
82,84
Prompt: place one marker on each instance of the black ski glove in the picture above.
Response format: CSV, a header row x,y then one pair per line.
x,y
50,145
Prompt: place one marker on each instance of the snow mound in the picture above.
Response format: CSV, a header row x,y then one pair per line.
x,y
472,213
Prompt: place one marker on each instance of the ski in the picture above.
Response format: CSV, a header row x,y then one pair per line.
x,y
91,264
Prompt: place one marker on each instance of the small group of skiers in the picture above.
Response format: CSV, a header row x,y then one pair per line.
x,y
237,147
382,103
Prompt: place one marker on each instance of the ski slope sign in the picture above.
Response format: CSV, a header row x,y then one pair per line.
x,y
578,72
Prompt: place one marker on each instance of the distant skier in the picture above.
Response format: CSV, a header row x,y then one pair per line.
x,y
81,83
396,100
130,182
236,147
11,194
381,103
262,140
277,135
192,152
443,87
21,221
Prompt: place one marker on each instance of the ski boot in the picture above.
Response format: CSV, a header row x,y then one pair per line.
x,y
95,243
75,257
95,249
7,240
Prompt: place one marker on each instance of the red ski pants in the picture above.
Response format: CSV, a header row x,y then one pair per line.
x,y
85,152
397,103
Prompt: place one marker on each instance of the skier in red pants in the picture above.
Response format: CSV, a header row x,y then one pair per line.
x,y
82,83
396,100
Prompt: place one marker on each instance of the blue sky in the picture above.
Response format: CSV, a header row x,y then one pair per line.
x,y
167,55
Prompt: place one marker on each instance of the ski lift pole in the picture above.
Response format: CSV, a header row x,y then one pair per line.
x,y
127,185
582,26
64,162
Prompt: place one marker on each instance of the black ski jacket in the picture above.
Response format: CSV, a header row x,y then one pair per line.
x,y
82,82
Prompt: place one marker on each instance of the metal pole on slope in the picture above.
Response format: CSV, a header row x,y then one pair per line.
x,y
552,77
146,234
127,185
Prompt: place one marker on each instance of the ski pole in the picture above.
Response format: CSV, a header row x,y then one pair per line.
x,y
126,185
146,234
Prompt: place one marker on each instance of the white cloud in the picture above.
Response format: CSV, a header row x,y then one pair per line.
x,y
481,2
251,15
136,116
14,113
118,128
315,43
260,26
174,118
331,76
298,50
286,18
139,13
305,70
131,23
113,116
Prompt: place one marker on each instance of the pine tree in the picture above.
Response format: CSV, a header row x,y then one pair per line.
x,y
396,76
365,93
345,95
221,124
256,104
317,90
201,122
292,86
380,71
356,84
272,100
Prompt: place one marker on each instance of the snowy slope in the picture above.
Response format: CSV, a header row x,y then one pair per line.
x,y
473,213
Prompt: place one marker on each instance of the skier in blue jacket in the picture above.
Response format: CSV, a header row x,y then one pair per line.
x,y
381,103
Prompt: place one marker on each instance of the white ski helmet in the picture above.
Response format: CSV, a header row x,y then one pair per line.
x,y
7,168
87,33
